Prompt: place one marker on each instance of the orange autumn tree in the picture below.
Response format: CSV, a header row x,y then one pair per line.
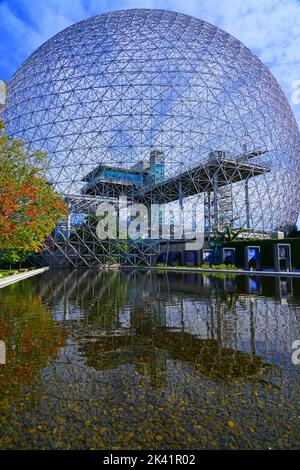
x,y
29,206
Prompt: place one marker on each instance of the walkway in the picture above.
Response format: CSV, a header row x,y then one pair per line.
x,y
20,277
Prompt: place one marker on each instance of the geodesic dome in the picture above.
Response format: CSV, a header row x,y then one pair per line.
x,y
114,88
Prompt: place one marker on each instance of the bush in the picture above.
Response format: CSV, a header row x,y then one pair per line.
x,y
228,267
224,267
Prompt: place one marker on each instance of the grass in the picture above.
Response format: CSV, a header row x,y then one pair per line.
x,y
7,272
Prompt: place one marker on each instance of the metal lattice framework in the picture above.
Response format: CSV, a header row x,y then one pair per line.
x,y
107,93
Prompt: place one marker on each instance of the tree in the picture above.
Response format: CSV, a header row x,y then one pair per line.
x,y
29,206
293,232
13,256
229,234
219,237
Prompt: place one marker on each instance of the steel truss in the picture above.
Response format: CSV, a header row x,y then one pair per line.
x,y
111,89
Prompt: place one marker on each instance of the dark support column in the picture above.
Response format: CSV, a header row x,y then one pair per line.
x,y
207,212
181,209
216,201
149,221
247,205
69,222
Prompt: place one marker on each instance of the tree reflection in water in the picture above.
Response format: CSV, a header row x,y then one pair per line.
x,y
31,337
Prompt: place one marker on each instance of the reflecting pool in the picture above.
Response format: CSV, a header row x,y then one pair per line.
x,y
149,360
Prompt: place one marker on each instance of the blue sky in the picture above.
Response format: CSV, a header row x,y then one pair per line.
x,y
271,28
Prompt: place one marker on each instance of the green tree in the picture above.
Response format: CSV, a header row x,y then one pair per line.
x,y
29,206
219,237
229,234
13,256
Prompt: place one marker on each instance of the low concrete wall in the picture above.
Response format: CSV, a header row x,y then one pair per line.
x,y
20,277
226,271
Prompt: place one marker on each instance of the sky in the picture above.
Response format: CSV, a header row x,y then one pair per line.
x,y
270,28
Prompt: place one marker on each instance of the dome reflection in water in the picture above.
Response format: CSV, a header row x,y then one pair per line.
x,y
151,360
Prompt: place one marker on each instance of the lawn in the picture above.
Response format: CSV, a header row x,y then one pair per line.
x,y
7,272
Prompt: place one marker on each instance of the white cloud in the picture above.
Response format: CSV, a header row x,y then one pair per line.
x,y
270,28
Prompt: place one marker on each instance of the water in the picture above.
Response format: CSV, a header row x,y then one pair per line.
x,y
152,360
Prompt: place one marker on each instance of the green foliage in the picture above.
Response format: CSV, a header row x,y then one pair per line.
x,y
228,267
29,206
224,267
293,232
14,256
227,235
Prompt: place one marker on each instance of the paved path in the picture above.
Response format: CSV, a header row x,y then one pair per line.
x,y
21,276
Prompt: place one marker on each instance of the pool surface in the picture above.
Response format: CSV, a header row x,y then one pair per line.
x,y
149,360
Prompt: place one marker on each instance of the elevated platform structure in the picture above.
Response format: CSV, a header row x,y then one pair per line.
x,y
114,182
214,179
